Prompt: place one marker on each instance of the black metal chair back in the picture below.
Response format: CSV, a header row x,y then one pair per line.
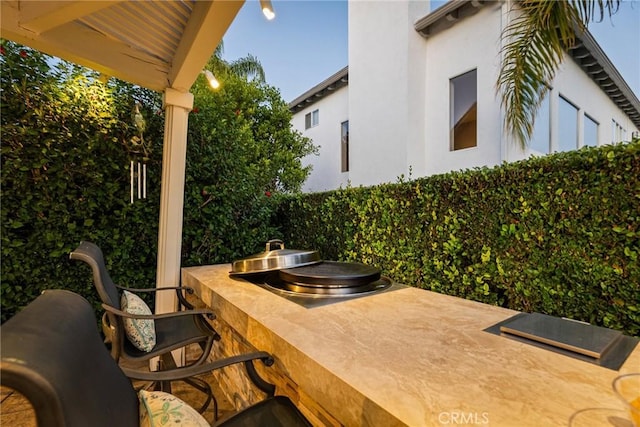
x,y
92,255
173,330
53,355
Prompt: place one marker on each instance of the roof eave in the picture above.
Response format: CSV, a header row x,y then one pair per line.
x,y
601,70
319,91
587,53
447,15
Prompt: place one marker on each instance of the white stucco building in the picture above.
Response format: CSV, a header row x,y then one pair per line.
x,y
418,97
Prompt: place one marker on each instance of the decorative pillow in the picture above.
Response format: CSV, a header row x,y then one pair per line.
x,y
158,408
141,332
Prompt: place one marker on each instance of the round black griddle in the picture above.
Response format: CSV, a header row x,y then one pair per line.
x,y
331,274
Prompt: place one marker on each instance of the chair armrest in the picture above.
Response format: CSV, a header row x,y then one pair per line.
x,y
167,288
190,371
181,297
201,311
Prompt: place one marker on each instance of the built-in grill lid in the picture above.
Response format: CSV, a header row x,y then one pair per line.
x,y
611,355
275,257
331,274
579,337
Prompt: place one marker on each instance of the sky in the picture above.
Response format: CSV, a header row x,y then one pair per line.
x,y
302,46
307,41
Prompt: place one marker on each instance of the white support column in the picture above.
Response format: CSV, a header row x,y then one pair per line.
x,y
177,106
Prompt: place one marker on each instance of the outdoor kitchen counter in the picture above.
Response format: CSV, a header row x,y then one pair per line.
x,y
410,356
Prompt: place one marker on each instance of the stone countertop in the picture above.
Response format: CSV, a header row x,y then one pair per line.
x,y
410,357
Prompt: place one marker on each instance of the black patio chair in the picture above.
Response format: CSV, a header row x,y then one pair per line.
x,y
172,330
52,354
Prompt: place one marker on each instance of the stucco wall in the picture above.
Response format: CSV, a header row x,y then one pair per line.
x,y
470,44
398,98
384,89
573,84
326,173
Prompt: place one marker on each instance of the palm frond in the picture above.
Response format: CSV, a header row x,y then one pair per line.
x,y
219,49
534,44
248,67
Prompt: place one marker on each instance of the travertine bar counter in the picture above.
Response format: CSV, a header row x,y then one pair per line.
x,y
410,357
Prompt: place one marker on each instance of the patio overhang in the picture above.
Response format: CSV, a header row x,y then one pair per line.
x,y
154,44
159,45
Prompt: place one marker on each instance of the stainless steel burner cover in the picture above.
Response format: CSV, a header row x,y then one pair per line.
x,y
275,257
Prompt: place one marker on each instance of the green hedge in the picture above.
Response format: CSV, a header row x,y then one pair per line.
x,y
66,148
558,234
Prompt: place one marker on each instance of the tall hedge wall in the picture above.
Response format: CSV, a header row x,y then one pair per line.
x,y
558,234
65,178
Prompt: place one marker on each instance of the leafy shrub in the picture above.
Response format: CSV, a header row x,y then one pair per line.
x,y
67,144
557,234
242,155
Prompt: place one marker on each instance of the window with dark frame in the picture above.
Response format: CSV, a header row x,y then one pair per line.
x,y
567,125
312,119
344,146
464,111
541,137
590,131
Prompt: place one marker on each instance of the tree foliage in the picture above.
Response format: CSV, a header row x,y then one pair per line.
x,y
248,67
242,154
